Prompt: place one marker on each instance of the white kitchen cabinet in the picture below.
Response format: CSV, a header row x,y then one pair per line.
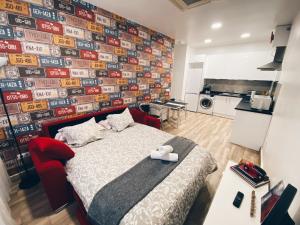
x,y
225,106
249,129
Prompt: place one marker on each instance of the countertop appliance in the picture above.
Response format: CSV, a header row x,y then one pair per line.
x,y
261,102
194,85
206,104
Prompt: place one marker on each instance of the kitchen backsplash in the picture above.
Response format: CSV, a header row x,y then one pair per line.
x,y
71,57
238,86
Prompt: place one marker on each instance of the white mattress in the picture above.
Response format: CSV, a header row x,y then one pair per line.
x,y
98,163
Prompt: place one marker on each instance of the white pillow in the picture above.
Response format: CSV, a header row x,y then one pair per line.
x,y
120,121
105,124
81,134
60,137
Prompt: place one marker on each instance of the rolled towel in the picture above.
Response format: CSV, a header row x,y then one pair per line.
x,y
165,149
171,157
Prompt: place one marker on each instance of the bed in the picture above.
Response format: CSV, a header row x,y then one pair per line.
x,y
98,163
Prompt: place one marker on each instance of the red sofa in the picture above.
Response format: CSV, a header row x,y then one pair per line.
x,y
52,172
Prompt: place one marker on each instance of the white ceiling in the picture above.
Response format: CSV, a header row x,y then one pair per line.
x,y
257,17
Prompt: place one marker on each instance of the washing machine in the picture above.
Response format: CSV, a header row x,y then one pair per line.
x,y
206,104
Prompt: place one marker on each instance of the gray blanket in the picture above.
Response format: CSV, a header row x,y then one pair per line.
x,y
114,200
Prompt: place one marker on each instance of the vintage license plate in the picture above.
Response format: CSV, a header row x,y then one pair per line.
x,y
166,65
73,32
37,36
122,81
48,61
73,21
133,61
23,60
70,82
113,66
4,121
107,48
143,62
23,21
14,6
126,44
156,52
132,53
50,27
36,48
42,94
84,108
83,4
41,115
124,88
22,129
46,83
120,51
69,52
12,108
95,27
114,74
101,73
133,87
59,102
65,111
117,102
143,34
86,45
149,50
10,72
128,67
113,41
4,145
85,14
89,55
108,89
63,6
83,99
138,40
92,90
102,98
127,74
77,73
34,106
132,30
105,57
64,41
2,134
24,139
10,46
98,37
105,104
143,86
75,91
43,13
107,81
111,32
122,27
17,96
98,65
57,72
78,63
102,20
132,80
123,59
6,32
11,84
89,82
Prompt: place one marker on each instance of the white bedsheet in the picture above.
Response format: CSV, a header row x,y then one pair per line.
x,y
98,163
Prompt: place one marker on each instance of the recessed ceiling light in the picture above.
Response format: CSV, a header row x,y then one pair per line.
x,y
245,35
216,26
207,41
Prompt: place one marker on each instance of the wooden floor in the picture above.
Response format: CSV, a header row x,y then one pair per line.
x,y
212,133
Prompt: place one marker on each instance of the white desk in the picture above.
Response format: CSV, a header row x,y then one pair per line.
x,y
223,212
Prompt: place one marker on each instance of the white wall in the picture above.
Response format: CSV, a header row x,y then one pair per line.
x,y
281,151
181,56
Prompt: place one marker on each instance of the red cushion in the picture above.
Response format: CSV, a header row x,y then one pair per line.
x,y
138,116
53,148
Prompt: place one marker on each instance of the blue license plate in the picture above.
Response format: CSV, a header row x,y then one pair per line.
x,y
6,32
48,61
89,82
44,13
59,102
12,84
87,45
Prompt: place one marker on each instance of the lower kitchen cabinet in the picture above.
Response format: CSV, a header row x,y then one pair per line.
x,y
225,106
249,129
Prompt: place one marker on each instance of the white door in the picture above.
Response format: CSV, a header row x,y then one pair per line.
x,y
194,82
192,101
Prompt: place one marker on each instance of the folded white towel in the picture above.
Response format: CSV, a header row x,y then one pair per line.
x,y
172,157
164,149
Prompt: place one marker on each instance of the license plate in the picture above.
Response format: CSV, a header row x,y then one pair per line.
x,y
73,32
95,27
43,13
41,115
126,44
150,51
83,4
156,52
6,32
114,74
23,59
75,91
85,14
113,41
111,32
42,94
92,90
65,7
143,62
120,51
11,84
108,89
23,129
5,144
73,21
138,40
17,96
127,74
143,34
108,81
84,108
46,83
105,104
122,27
2,134
10,72
98,37
37,36
102,98
101,73
132,30
64,41
69,52
24,139
122,81
89,55
83,99
143,86
139,68
34,106
132,60
117,102
113,66
4,121
105,57
36,48
50,27
86,45
158,85
106,48
103,20
22,21
14,6
57,73
147,75
125,36
132,81
10,46
70,82
78,63
59,102
77,73
123,59
98,65
147,43
133,87
65,111
89,82
132,53
166,65
47,61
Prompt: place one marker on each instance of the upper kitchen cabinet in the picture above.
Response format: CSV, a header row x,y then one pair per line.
x,y
239,65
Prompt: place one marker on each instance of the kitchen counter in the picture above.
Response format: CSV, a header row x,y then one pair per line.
x,y
244,105
228,94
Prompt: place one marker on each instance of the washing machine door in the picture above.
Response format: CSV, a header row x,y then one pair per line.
x,y
206,103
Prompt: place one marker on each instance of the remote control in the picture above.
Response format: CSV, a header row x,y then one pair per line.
x,y
238,199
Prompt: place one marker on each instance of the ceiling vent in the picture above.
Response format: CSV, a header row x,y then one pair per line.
x,y
188,4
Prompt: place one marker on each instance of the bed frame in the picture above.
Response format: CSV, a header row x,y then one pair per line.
x,y
52,172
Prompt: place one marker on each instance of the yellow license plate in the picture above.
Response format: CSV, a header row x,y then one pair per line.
x,y
122,81
70,82
137,40
120,51
2,134
95,27
64,41
102,98
98,65
139,68
34,106
14,6
23,59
